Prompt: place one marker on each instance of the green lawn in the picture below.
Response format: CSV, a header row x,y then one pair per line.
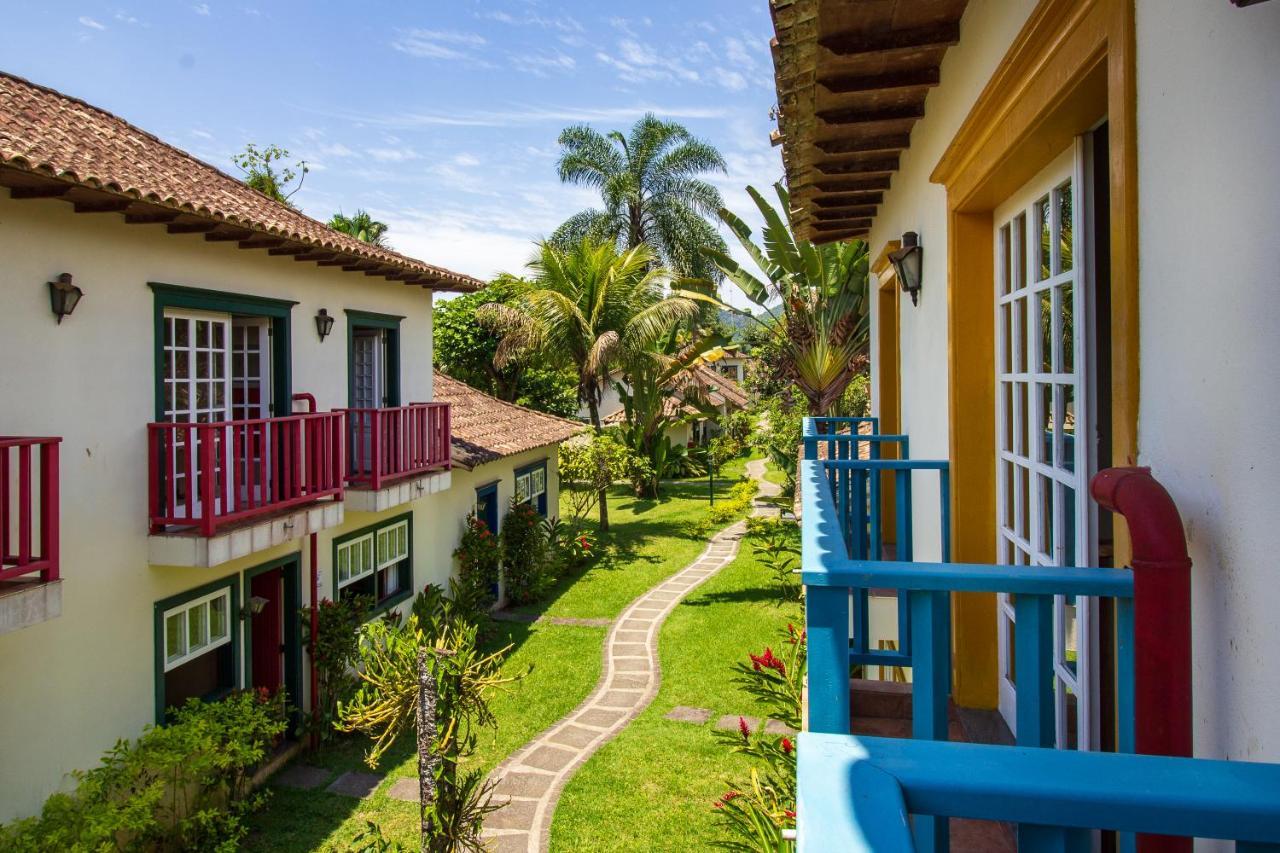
x,y
652,788
648,541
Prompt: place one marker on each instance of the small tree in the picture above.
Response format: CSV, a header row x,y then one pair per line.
x,y
440,685
587,467
265,171
362,226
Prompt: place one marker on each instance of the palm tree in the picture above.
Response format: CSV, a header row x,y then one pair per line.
x,y
587,305
650,189
824,328
362,226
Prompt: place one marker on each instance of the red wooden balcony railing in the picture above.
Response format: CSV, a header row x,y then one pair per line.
x,y
388,444
210,475
29,507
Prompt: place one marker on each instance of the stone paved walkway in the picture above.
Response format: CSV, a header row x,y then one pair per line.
x,y
531,779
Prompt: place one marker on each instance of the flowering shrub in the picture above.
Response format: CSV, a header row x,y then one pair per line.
x,y
525,565
758,812
731,509
569,550
337,650
479,556
181,786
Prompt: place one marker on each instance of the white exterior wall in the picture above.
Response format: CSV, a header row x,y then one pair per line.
x,y
74,684
1208,173
914,204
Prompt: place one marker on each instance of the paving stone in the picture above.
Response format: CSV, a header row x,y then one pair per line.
x,y
730,721
636,625
620,698
646,612
404,789
517,784
517,814
599,717
629,636
777,727
549,758
631,664
685,714
354,784
625,680
302,776
662,596
516,842
584,623
574,736
630,650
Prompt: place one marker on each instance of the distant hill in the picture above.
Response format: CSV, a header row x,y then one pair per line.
x,y
736,322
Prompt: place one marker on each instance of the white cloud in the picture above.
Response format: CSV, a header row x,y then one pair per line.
x,y
542,62
125,18
86,21
201,9
731,80
465,159
202,134
336,149
507,118
438,44
562,23
392,155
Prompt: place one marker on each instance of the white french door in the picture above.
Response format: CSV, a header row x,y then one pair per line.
x,y
197,364
251,400
368,385
1044,429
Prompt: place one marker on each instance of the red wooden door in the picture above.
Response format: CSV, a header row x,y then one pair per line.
x,y
267,630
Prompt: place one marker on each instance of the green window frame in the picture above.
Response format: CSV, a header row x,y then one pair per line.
x,y
373,320
194,298
533,489
371,551
230,585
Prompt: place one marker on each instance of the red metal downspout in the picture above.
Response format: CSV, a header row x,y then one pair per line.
x,y
315,630
1161,618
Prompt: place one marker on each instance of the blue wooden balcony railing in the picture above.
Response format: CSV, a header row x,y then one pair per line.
x,y
840,562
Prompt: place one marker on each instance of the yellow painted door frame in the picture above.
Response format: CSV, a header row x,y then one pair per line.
x,y
1071,65
888,366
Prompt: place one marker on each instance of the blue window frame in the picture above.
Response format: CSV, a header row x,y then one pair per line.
x,y
487,505
531,486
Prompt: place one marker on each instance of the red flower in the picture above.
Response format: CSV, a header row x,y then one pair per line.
x,y
729,795
744,728
790,814
768,661
787,746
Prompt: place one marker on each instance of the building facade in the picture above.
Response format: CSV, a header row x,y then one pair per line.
x,y
246,421
1088,181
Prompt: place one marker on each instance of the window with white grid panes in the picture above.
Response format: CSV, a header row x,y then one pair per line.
x,y
375,563
1043,514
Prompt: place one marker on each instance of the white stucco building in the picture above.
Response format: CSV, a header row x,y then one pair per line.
x,y
246,421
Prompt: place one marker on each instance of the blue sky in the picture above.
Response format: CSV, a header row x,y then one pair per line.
x,y
439,117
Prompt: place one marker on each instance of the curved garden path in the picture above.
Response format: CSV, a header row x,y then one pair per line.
x,y
531,779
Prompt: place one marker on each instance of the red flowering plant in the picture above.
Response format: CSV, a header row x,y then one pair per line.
x,y
479,555
759,810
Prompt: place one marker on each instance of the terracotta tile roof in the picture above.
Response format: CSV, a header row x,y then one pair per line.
x,y
728,390
486,429
51,143
671,406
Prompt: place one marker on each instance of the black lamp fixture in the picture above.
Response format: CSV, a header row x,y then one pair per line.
x,y
255,605
63,296
907,263
324,324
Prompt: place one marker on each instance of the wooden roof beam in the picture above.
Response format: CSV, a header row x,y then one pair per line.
x,y
918,38
841,225
315,256
151,217
334,262
262,243
844,212
862,115
234,235
839,185
844,199
192,227
112,205
843,84
893,142
41,191
884,165
361,266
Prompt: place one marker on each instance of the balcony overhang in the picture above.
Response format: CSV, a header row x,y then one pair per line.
x,y
27,603
852,78
188,548
403,491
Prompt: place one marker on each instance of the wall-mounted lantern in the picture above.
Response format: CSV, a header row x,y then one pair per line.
x,y
254,606
324,324
907,263
63,296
